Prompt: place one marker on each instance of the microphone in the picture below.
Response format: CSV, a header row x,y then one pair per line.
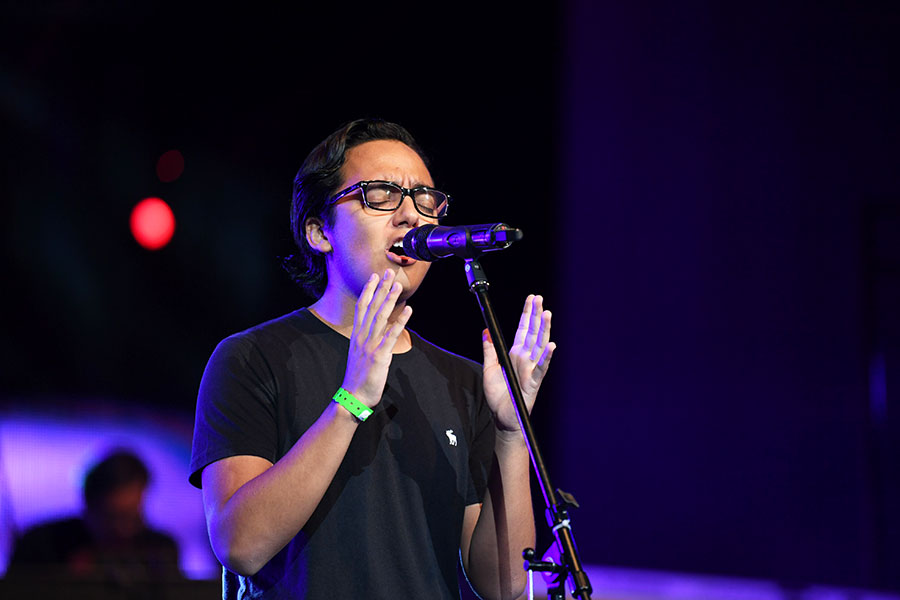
x,y
431,242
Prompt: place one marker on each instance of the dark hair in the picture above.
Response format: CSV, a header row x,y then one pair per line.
x,y
317,181
117,470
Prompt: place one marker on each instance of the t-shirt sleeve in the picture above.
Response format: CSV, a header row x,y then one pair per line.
x,y
235,406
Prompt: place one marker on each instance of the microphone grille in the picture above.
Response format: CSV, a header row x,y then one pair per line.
x,y
415,243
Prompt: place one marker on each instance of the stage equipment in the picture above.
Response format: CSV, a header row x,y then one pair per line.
x,y
561,562
431,242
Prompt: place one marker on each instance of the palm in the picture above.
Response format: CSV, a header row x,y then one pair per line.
x,y
530,356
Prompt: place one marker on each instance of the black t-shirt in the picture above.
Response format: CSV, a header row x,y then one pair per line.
x,y
390,522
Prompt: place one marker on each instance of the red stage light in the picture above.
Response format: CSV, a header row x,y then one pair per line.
x,y
170,166
152,223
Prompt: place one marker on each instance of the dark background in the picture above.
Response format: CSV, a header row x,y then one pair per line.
x,y
709,193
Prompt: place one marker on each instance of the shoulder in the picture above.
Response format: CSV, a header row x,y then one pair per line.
x,y
46,541
275,337
72,526
285,327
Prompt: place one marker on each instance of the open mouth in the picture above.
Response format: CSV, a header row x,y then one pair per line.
x,y
397,254
397,248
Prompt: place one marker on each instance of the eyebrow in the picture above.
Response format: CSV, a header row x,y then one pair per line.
x,y
416,184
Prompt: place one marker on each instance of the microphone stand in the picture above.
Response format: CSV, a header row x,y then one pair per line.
x,y
564,563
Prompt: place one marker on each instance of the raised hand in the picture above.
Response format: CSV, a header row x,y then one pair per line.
x,y
530,355
373,338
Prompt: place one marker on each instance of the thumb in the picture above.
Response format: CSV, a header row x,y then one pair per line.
x,y
490,353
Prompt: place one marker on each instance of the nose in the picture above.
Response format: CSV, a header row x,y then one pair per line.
x,y
406,213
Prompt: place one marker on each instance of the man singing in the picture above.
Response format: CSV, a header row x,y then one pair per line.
x,y
340,454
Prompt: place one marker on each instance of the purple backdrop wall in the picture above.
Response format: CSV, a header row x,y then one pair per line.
x,y
717,161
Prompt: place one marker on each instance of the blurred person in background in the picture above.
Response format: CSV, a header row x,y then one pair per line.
x,y
110,541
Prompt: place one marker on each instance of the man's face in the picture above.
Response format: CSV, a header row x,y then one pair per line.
x,y
119,515
361,238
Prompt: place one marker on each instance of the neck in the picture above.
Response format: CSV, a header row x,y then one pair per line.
x,y
337,311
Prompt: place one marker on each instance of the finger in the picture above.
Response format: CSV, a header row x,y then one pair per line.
x,y
536,377
393,332
381,292
543,337
490,353
544,362
379,324
363,301
524,319
534,321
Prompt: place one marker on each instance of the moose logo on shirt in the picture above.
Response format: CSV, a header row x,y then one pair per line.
x,y
451,436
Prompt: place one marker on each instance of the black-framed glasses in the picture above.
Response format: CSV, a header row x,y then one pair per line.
x,y
387,196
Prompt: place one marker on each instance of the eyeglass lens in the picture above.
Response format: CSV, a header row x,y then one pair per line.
x,y
386,196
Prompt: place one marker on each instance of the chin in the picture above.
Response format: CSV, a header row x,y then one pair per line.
x,y
411,281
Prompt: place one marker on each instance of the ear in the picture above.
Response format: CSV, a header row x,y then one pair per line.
x,y
315,235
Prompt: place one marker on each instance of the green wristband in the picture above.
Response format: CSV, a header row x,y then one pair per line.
x,y
356,408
